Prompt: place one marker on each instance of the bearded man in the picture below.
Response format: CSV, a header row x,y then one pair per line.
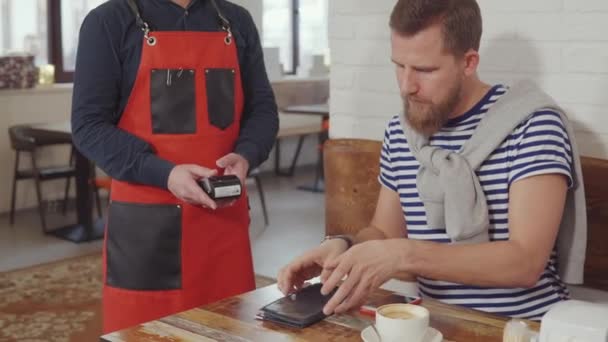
x,y
478,181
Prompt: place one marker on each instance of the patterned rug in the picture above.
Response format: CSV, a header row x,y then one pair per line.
x,y
56,302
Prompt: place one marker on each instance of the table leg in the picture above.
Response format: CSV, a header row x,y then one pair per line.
x,y
87,229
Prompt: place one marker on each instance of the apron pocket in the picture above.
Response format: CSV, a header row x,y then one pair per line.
x,y
173,101
144,246
220,97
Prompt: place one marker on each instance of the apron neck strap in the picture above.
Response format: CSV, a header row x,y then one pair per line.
x,y
138,19
224,22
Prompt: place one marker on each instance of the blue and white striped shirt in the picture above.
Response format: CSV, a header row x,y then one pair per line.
x,y
539,145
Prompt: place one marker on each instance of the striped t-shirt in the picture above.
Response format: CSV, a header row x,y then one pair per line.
x,y
539,145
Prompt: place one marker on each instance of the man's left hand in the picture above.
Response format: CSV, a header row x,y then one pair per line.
x,y
367,266
234,164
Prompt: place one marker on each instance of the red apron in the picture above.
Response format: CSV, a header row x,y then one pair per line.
x,y
162,255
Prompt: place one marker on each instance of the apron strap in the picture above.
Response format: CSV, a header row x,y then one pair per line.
x,y
135,10
224,22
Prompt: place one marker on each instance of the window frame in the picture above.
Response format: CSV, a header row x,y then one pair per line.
x,y
56,42
295,36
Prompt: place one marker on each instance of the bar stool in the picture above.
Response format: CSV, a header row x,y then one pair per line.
x,y
255,175
101,183
26,139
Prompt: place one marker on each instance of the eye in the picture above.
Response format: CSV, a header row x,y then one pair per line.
x,y
425,70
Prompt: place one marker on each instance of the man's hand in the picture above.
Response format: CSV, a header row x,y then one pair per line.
x,y
183,184
234,164
309,265
367,266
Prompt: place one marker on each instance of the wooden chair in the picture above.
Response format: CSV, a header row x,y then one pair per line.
x,y
595,172
351,169
25,139
351,185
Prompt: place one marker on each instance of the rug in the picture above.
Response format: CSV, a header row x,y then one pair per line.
x,y
56,302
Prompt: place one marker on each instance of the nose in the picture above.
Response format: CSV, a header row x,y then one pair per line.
x,y
408,84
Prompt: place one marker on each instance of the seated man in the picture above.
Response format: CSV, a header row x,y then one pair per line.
x,y
476,181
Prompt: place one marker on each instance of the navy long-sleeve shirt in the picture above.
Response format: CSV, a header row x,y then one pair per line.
x,y
109,52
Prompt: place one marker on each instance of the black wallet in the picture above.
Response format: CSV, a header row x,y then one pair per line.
x,y
298,310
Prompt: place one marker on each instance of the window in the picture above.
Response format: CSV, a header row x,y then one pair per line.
x,y
299,29
46,29
23,27
313,32
278,30
66,16
72,15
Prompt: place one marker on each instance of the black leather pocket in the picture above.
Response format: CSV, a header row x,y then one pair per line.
x,y
220,96
144,246
173,101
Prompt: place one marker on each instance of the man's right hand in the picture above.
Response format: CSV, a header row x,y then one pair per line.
x,y
309,265
183,184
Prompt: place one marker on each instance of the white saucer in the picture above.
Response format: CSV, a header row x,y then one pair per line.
x,y
432,335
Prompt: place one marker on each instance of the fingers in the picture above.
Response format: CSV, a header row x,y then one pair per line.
x,y
201,172
292,276
343,291
337,270
196,196
234,164
287,281
356,298
325,274
227,160
205,200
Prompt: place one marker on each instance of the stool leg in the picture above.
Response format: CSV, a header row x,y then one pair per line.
x,y
38,193
98,200
258,184
68,183
66,195
14,192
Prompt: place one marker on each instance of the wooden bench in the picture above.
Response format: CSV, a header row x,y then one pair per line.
x,y
351,172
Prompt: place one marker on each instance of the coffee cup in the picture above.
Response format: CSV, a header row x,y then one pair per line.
x,y
402,322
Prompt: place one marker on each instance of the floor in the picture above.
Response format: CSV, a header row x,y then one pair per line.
x,y
296,225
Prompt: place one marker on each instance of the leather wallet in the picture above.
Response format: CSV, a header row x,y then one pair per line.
x,y
298,310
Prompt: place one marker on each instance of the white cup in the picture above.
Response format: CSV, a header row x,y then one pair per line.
x,y
402,322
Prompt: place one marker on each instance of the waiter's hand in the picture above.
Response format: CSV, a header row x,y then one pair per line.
x,y
183,184
234,164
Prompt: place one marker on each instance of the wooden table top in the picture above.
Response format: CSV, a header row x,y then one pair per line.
x,y
312,109
233,320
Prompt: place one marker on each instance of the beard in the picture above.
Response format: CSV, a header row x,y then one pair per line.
x,y
428,118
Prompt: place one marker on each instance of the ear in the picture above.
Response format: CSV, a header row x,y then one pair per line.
x,y
471,62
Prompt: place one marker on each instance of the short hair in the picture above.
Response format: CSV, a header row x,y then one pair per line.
x,y
460,19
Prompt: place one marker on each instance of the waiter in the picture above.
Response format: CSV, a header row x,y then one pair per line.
x,y
167,92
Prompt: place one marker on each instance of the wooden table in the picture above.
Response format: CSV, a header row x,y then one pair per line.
x,y
321,110
233,320
86,228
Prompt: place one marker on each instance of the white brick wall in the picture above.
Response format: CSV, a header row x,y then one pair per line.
x,y
561,44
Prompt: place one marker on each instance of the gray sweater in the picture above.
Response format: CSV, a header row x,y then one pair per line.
x,y
453,197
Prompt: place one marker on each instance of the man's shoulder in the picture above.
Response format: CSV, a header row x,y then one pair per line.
x,y
114,13
393,134
236,13
542,118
